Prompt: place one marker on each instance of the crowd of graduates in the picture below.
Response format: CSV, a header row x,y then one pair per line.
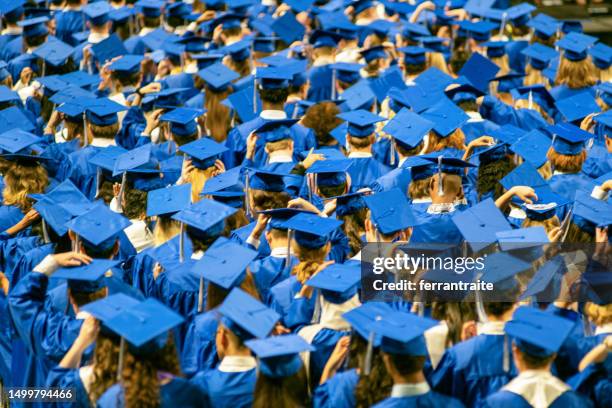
x,y
187,188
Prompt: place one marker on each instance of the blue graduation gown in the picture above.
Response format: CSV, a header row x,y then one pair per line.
x,y
295,313
9,216
598,161
269,271
69,378
337,392
517,60
476,128
566,185
502,114
80,171
436,228
200,351
134,45
562,92
320,78
381,151
227,389
324,343
364,171
473,369
595,383
177,393
6,344
11,250
430,399
196,102
68,23
507,399
396,178
241,235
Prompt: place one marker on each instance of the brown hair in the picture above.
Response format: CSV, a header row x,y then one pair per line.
x,y
576,235
322,119
139,375
198,178
84,298
548,224
535,362
373,67
103,132
104,365
489,175
21,180
286,392
406,365
576,74
218,118
360,142
235,221
419,189
455,314
215,294
545,170
436,59
377,385
454,140
353,227
241,67
165,229
268,200
310,260
535,77
566,163
283,144
408,152
451,183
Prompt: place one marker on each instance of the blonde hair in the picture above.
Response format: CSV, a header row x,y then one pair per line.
x,y
218,116
605,75
22,180
454,140
165,229
599,314
548,224
576,74
197,178
243,68
535,77
566,163
310,260
436,59
545,170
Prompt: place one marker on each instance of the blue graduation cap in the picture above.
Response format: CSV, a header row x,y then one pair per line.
x,y
99,226
463,91
571,26
413,55
538,333
408,128
544,26
206,216
420,168
228,181
533,148
8,95
150,8
288,28
479,71
86,278
218,76
275,130
225,263
545,279
601,54
272,181
13,118
520,14
338,282
81,79
15,140
446,116
403,333
413,31
373,53
109,48
577,106
359,96
12,9
478,30
97,13
349,203
169,200
182,120
478,8
272,77
247,317
360,122
110,306
479,224
279,356
310,230
143,323
168,98
265,44
34,27
364,316
390,211
203,152
538,94
568,139
52,84
204,60
238,51
323,38
54,52
102,111
539,55
330,172
590,212
127,64
574,47
500,269
299,5
522,238
495,49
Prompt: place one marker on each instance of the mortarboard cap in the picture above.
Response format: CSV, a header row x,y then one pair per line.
x,y
568,139
533,148
275,130
360,122
110,306
495,49
590,212
34,27
522,238
478,30
310,230
373,53
109,48
433,79
101,111
203,152
349,203
54,52
403,333
99,226
463,91
363,317
272,77
413,55
168,200
390,211
538,333
206,216
420,168
338,282
500,269
97,13
478,7
446,116
182,121
601,54
479,71
330,172
359,96
16,140
225,263
288,28
539,55
269,180
127,64
265,44
538,93
478,224
8,95
577,106
279,356
571,26
218,76
12,10
150,8
238,51
408,128
228,180
544,26
86,278
137,160
13,118
574,46
414,31
545,277
247,317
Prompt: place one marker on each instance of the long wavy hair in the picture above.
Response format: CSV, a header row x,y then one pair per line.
x,y
455,140
105,364
576,74
354,227
566,163
373,387
310,260
218,119
197,178
286,392
535,77
165,229
489,175
21,180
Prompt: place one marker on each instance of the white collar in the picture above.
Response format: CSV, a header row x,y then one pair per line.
x,y
401,161
409,390
558,173
359,155
605,329
280,158
516,212
197,255
102,142
356,257
441,208
539,387
273,114
82,315
279,252
95,38
492,328
12,30
331,313
237,364
474,117
421,201
322,61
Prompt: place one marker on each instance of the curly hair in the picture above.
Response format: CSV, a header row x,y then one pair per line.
x,y
22,179
218,118
576,74
105,362
310,260
353,227
377,385
455,140
139,375
489,175
322,119
599,314
286,392
566,163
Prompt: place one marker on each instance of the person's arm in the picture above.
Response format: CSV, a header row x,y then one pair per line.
x,y
598,354
24,223
87,335
482,141
526,194
336,359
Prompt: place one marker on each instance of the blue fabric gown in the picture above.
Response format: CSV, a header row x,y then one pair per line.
x,y
69,378
337,392
430,399
320,78
595,383
295,313
68,23
9,216
502,114
436,228
396,178
517,60
473,130
473,369
566,185
562,92
177,393
227,389
269,271
364,171
598,162
507,399
200,351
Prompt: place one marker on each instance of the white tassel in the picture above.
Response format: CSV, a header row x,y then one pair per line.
x,y
182,243
201,295
121,358
45,231
440,181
